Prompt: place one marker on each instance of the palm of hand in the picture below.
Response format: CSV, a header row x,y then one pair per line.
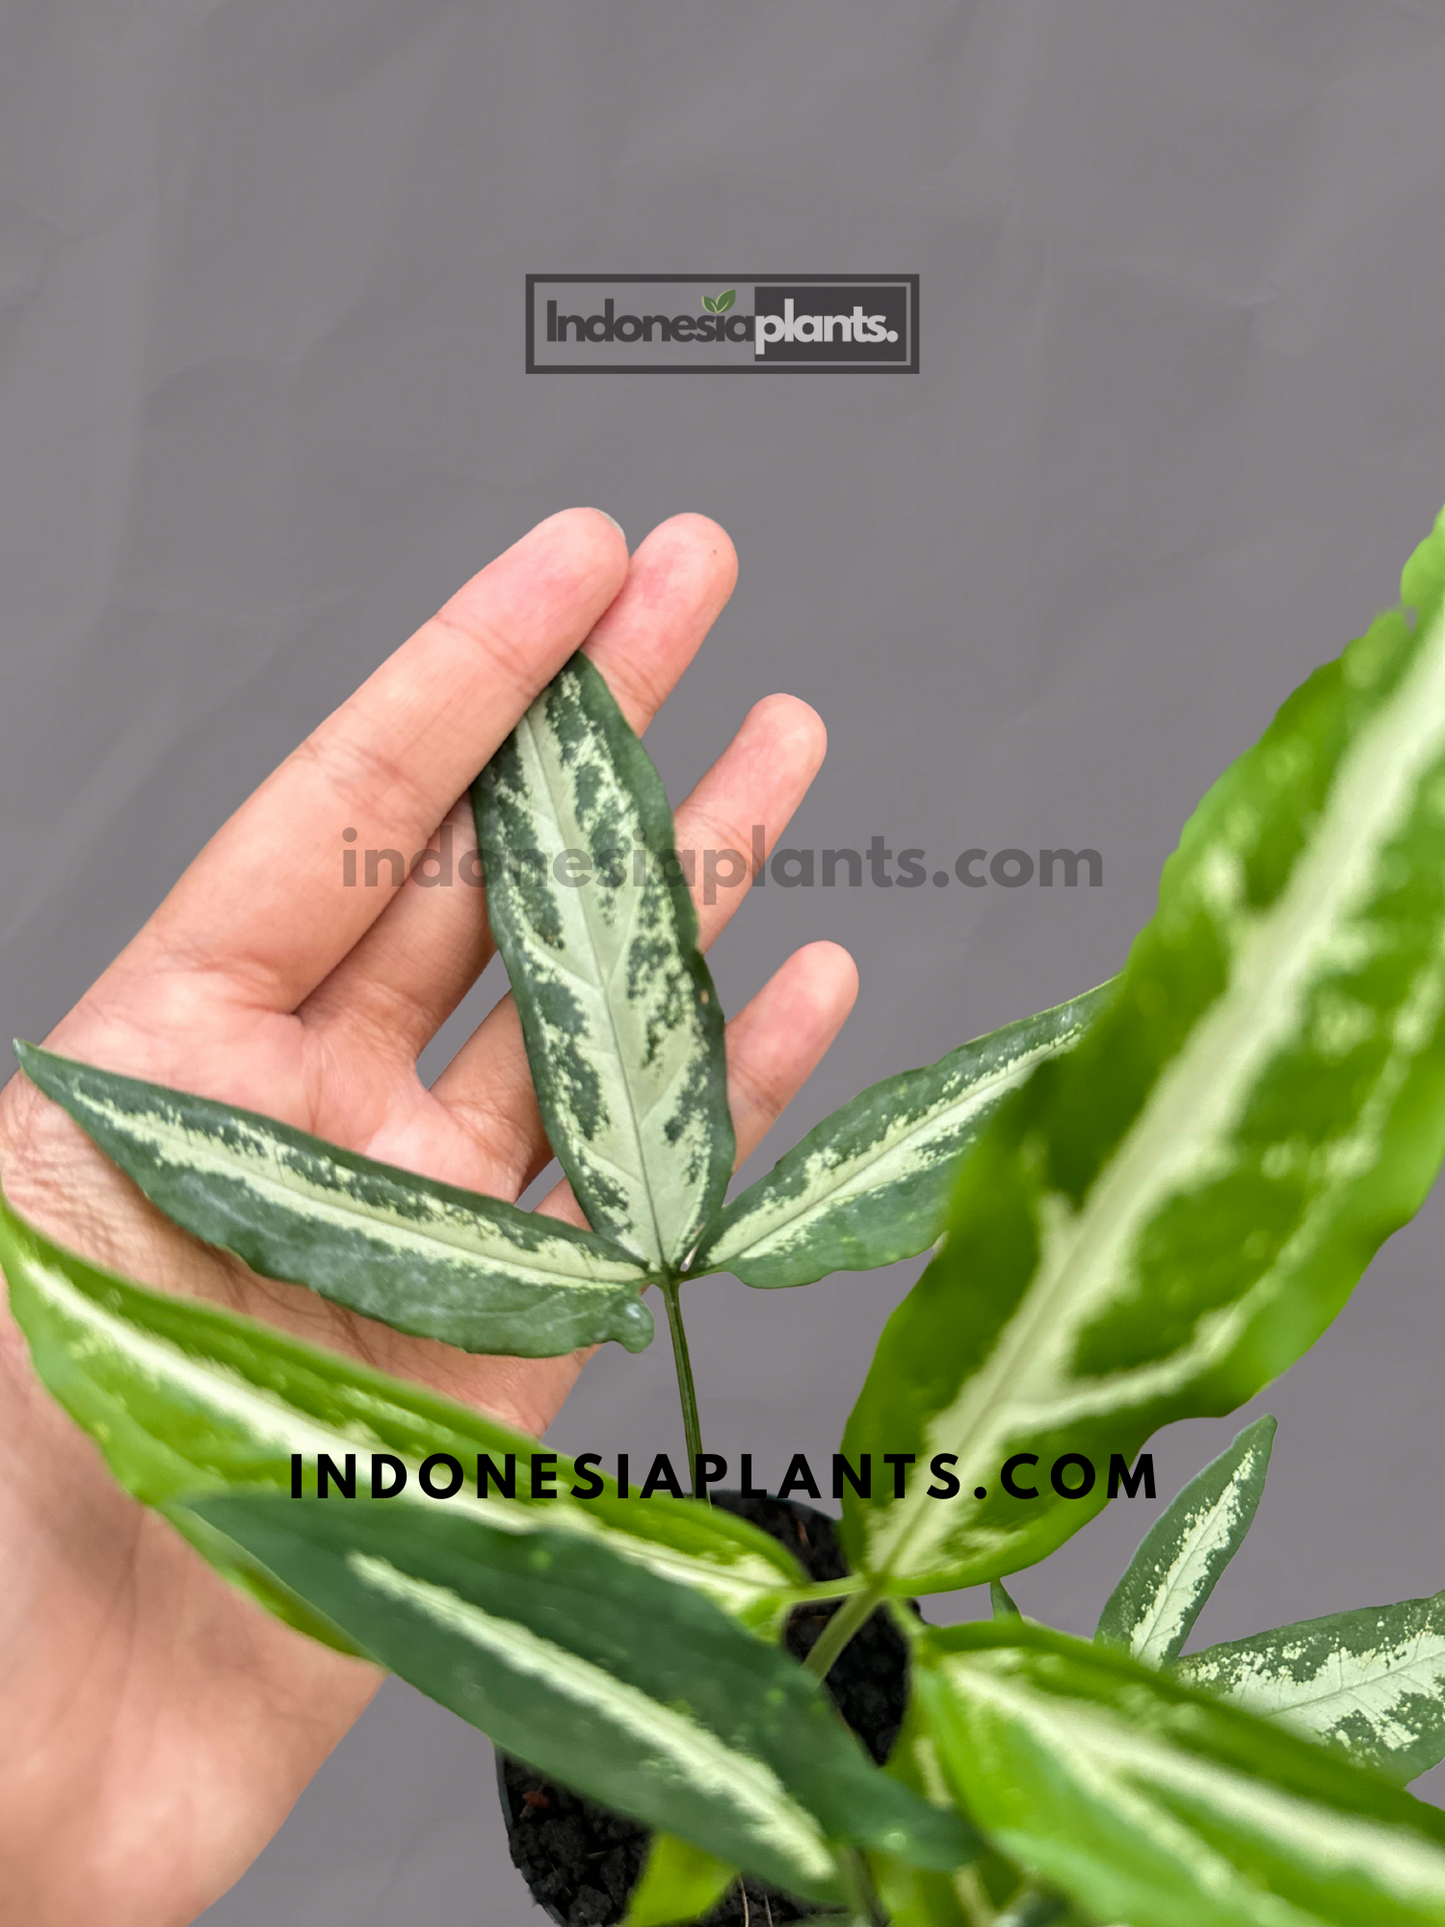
x,y
151,1703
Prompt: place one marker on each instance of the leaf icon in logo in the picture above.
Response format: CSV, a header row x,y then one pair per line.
x,y
725,301
709,304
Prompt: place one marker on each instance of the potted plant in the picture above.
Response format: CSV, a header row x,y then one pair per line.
x,y
1145,1205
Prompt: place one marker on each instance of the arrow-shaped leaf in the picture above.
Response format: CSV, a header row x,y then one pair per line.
x,y
1152,1610
1168,1215
634,1690
592,913
184,1399
1148,1803
1370,1683
872,1183
423,1257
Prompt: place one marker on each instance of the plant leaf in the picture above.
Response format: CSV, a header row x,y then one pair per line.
x,y
1370,1683
421,1256
623,1028
1152,1610
709,304
726,299
1001,1601
632,1689
184,1399
1169,1214
1148,1803
872,1183
679,1882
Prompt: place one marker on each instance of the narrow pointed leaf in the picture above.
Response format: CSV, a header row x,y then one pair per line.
x,y
1146,1802
1001,1601
632,1689
593,915
679,1882
1370,1683
1152,1610
423,1257
184,1399
872,1183
1165,1217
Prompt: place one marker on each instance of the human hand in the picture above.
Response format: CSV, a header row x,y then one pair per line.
x,y
159,1725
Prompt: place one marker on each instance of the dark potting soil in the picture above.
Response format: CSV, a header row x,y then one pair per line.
x,y
581,1861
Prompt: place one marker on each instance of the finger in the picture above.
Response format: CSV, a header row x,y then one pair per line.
x,y
264,907
760,778
411,969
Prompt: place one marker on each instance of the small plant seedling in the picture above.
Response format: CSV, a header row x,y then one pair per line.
x,y
1145,1204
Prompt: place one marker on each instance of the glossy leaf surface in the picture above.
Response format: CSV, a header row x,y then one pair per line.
x,y
1152,1610
871,1184
1148,1803
185,1399
630,1688
1370,1683
1169,1214
423,1257
593,915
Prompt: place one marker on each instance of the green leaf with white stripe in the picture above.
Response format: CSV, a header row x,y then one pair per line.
x,y
423,1257
1152,1610
1370,1683
592,913
183,1399
1166,1216
871,1184
632,1689
1150,1803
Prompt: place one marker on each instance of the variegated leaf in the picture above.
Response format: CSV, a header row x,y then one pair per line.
x,y
871,1183
421,1256
1147,1802
185,1399
1169,1214
1152,1610
1370,1683
592,913
629,1687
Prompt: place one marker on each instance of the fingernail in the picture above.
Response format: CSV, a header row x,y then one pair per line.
x,y
613,520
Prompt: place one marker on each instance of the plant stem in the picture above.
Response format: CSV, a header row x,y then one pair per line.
x,y
850,1618
686,1390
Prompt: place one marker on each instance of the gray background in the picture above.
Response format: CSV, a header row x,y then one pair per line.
x,y
1179,421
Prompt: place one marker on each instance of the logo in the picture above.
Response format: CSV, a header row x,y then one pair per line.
x,y
721,324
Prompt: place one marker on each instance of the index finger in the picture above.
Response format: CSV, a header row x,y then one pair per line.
x,y
264,904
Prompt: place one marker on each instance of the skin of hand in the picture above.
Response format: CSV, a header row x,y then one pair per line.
x,y
157,1725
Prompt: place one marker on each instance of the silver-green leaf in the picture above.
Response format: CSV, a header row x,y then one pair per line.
x,y
872,1183
1370,1683
1152,1610
423,1257
1166,1216
627,1686
184,1399
591,910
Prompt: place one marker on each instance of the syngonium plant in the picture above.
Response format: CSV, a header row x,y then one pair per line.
x,y
1146,1205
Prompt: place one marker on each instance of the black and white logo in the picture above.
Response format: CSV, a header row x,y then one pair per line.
x,y
721,324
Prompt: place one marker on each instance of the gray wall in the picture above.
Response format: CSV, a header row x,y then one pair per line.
x,y
1179,421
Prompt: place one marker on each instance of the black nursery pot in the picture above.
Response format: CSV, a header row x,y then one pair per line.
x,y
581,1861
